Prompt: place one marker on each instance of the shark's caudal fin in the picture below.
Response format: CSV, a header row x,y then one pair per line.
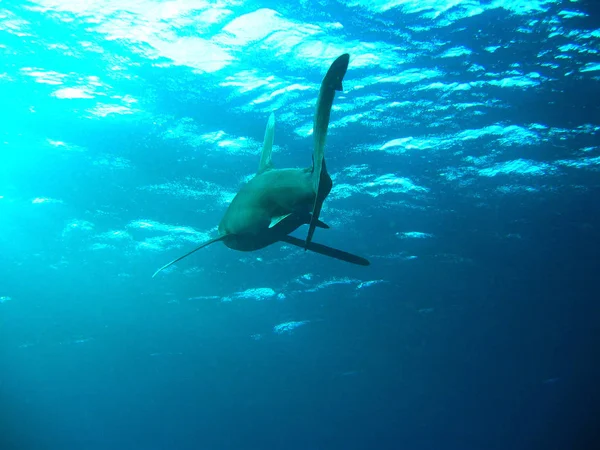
x,y
265,157
204,244
327,251
321,180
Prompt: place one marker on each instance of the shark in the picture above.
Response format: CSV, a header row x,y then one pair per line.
x,y
276,202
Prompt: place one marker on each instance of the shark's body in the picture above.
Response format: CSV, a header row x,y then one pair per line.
x,y
251,220
275,202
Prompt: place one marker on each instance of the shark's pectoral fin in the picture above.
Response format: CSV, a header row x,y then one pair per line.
x,y
320,178
327,251
265,157
276,220
204,244
322,224
313,222
322,188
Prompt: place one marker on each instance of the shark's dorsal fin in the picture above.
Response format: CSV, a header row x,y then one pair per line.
x,y
204,244
331,83
265,157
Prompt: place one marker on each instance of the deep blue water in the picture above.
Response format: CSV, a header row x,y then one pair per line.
x,y
465,156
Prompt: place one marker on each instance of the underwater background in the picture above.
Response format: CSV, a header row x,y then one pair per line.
x,y
465,157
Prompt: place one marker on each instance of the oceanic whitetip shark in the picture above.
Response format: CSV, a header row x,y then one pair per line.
x,y
275,202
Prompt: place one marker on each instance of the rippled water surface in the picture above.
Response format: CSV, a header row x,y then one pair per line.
x,y
465,157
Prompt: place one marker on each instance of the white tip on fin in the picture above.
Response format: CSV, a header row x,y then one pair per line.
x,y
276,220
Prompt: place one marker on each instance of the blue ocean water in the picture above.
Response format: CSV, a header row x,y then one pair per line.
x,y
465,156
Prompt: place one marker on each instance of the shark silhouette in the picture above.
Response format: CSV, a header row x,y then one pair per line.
x,y
275,202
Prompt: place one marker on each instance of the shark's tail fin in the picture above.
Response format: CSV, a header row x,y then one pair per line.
x,y
204,244
320,178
